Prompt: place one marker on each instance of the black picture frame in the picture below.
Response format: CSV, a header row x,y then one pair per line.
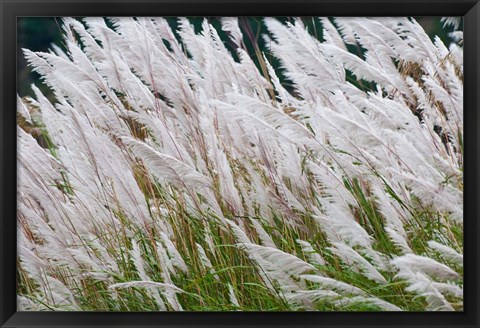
x,y
11,9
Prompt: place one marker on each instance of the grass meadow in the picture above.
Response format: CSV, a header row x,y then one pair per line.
x,y
306,164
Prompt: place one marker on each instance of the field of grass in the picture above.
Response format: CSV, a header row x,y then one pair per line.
x,y
315,167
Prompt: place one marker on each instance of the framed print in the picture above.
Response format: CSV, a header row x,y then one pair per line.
x,y
239,163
